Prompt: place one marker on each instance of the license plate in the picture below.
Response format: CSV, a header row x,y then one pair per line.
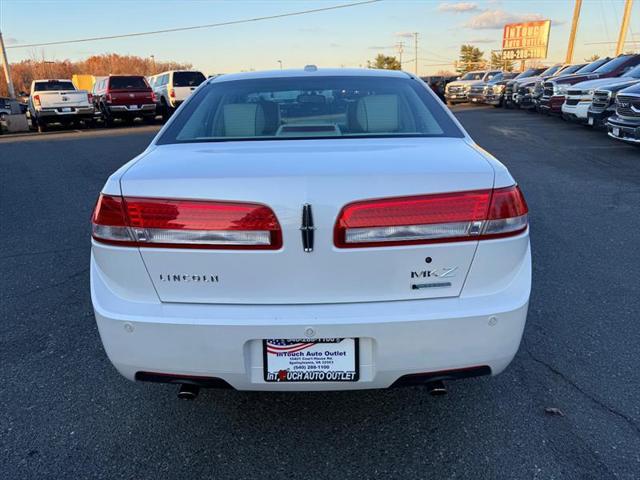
x,y
590,121
134,107
304,360
616,132
66,109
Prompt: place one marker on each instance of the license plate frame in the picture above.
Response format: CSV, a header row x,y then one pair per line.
x,y
308,361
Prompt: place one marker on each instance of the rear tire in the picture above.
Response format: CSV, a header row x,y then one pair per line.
x,y
166,110
41,126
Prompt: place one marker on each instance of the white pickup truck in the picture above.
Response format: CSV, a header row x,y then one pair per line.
x,y
58,101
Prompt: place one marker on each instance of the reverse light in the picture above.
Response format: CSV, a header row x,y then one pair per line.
x,y
150,222
449,217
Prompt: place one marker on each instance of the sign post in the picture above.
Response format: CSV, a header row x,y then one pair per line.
x,y
526,41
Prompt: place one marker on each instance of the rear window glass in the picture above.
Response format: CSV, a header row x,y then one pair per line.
x,y
127,83
53,85
187,79
304,107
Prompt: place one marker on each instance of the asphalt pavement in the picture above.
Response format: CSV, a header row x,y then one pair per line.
x,y
568,407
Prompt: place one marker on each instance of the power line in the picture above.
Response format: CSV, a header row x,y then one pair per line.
x,y
196,27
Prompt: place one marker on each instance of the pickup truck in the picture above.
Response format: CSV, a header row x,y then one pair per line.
x,y
580,96
625,124
555,90
58,101
458,91
529,91
124,97
493,91
511,87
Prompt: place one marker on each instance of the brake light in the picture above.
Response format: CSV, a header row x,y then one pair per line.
x,y
172,93
89,98
449,217
36,100
107,98
149,222
153,97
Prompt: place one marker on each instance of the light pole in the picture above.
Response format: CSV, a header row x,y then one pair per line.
x,y
7,69
153,63
280,62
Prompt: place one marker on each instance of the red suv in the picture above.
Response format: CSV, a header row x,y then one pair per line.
x,y
125,97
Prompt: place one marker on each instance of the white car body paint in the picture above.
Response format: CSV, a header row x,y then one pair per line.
x,y
216,330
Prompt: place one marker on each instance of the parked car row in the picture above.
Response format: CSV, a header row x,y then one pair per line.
x,y
604,93
111,99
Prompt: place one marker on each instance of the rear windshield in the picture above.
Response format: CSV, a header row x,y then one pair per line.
x,y
613,64
187,79
128,83
53,85
303,107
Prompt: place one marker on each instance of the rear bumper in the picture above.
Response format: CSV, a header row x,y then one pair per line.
x,y
132,110
57,114
396,338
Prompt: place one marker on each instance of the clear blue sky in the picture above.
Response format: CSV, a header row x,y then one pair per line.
x,y
346,37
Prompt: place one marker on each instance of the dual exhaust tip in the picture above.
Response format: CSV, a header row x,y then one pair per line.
x,y
189,391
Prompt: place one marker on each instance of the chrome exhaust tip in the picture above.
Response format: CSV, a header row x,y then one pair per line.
x,y
437,388
188,391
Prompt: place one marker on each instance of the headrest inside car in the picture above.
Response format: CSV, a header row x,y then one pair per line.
x,y
378,113
243,120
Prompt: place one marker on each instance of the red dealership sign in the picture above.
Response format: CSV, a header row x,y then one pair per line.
x,y
525,41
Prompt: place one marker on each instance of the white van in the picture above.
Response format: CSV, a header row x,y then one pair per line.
x,y
173,87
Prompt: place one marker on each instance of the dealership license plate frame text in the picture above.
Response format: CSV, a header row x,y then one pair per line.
x,y
307,360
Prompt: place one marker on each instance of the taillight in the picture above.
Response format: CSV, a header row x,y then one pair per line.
x,y
172,93
448,217
36,100
148,222
153,97
107,98
89,98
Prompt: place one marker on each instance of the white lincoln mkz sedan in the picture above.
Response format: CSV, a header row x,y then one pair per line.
x,y
313,229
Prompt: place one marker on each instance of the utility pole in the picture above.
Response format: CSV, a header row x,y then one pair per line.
x,y
7,69
574,29
415,38
400,47
624,27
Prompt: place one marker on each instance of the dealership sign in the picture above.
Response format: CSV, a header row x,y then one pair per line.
x,y
526,41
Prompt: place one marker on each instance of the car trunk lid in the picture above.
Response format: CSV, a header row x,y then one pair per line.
x,y
325,174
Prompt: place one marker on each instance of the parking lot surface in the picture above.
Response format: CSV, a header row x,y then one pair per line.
x,y
66,412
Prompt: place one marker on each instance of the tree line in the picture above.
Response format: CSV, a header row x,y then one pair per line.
x,y
22,73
